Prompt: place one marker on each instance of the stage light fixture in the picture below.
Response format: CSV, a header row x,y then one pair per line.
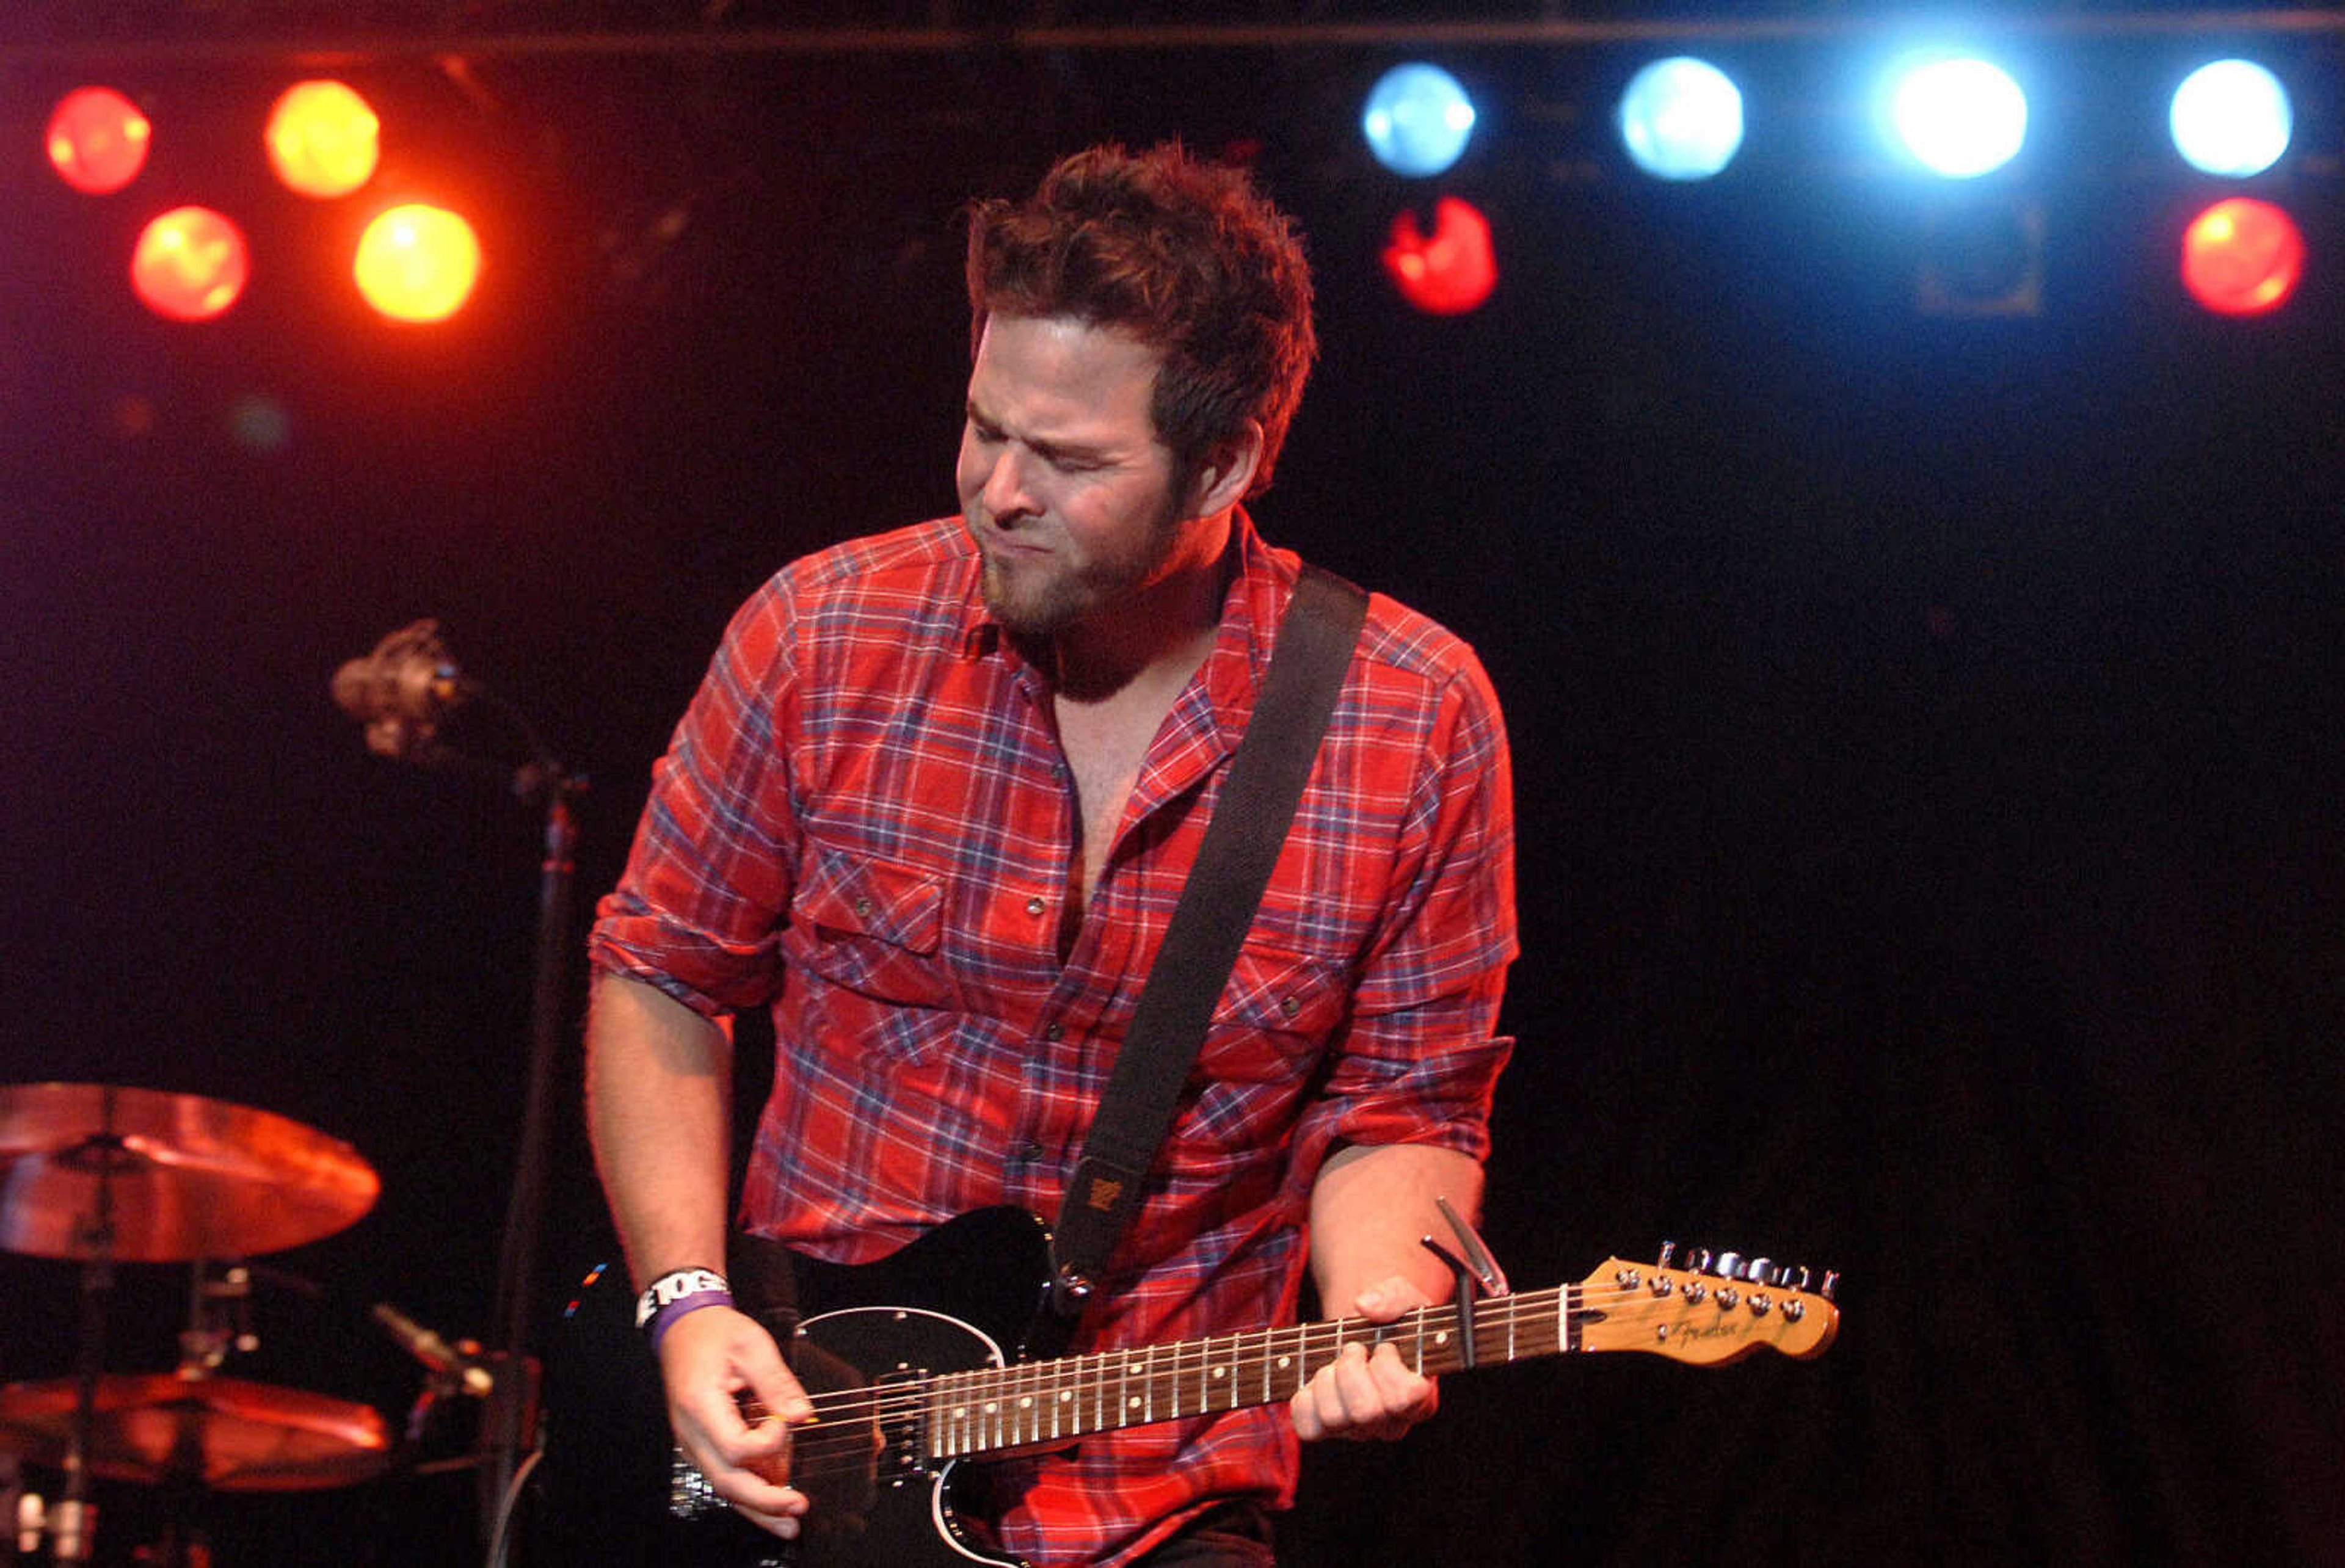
x,y
1417,119
1959,117
418,263
1681,118
1981,260
2242,257
189,264
2231,119
323,139
1451,270
97,140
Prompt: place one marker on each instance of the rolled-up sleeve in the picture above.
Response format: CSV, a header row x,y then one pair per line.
x,y
1417,1059
698,911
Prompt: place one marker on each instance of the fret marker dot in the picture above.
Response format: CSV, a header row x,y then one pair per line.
x,y
1441,1339
1132,1403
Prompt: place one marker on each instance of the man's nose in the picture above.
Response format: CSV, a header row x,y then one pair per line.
x,y
1006,492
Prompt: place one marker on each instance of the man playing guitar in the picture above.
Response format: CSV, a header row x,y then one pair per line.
x,y
933,805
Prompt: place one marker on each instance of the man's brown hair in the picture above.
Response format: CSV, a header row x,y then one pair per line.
x,y
1187,256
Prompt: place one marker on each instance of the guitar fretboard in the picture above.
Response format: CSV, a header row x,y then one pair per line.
x,y
992,1409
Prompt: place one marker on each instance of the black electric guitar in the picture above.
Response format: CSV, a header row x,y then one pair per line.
x,y
911,1365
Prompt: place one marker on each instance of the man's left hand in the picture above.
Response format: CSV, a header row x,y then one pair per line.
x,y
1364,1395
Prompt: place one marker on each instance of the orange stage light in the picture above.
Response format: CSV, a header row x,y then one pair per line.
x,y
97,140
323,139
418,263
2242,257
191,264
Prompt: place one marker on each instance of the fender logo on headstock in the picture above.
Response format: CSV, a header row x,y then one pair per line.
x,y
1709,1313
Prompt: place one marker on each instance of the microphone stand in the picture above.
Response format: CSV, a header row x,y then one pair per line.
x,y
508,1425
402,692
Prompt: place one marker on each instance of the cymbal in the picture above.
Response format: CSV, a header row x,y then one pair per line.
x,y
179,1177
226,1433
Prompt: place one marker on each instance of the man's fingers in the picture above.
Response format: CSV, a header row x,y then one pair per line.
x,y
1355,1382
778,1392
711,1360
1363,1395
1387,1298
785,1526
1400,1388
748,1471
1305,1411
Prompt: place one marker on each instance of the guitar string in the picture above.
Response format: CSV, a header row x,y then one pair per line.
x,y
1241,1355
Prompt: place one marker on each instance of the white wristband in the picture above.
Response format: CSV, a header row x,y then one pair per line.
x,y
673,1287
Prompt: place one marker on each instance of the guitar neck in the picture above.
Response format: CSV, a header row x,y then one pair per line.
x,y
985,1412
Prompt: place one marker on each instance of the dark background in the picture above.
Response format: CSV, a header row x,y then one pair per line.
x,y
1926,726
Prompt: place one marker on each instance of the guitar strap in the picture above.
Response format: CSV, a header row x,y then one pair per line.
x,y
1267,772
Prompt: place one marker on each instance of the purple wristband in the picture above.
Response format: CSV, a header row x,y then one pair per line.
x,y
679,1307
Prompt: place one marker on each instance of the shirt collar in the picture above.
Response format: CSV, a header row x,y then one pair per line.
x,y
1258,592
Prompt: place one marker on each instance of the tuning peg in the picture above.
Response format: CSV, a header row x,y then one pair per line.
x,y
1698,1262
1758,1269
1832,1282
1730,1265
1668,1250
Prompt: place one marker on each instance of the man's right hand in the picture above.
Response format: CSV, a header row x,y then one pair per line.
x,y
709,1359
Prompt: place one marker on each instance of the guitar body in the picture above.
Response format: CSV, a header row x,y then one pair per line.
x,y
967,1295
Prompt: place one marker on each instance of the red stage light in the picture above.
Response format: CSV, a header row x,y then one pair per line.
x,y
97,140
2242,257
418,263
1452,271
323,139
191,264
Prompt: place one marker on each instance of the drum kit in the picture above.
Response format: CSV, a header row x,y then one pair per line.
x,y
101,1175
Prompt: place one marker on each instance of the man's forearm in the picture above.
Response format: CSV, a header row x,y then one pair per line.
x,y
659,1110
1369,1207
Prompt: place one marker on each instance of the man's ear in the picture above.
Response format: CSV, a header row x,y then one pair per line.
x,y
1227,473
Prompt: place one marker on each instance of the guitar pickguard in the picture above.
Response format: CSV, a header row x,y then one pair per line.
x,y
613,1495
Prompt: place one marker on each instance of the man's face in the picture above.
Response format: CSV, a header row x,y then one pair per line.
x,y
1069,495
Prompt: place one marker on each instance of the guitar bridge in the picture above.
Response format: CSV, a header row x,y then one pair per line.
x,y
689,1495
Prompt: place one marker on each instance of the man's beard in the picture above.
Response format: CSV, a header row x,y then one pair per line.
x,y
1033,612
1052,597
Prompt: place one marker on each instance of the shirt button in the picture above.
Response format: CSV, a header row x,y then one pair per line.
x,y
1035,905
1054,1031
1289,1006
863,907
1028,1152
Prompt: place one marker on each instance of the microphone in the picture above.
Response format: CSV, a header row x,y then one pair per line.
x,y
443,1359
403,691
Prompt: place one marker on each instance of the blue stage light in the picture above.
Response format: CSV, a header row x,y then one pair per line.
x,y
1417,119
2231,119
1960,118
1681,118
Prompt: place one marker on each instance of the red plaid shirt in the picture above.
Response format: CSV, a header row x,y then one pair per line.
x,y
865,821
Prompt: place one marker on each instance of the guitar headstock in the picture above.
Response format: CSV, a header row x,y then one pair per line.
x,y
1717,1310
